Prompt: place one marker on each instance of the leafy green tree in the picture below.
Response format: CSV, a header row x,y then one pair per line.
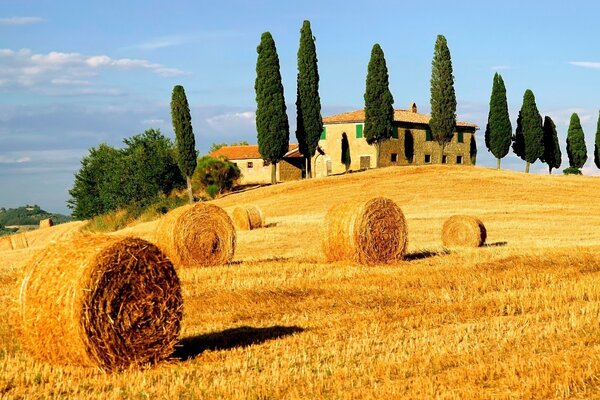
x,y
552,155
218,173
184,136
217,146
528,142
576,149
443,98
309,123
597,144
379,102
498,132
346,159
273,131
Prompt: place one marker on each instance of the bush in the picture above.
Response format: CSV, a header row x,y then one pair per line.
x,y
572,171
219,174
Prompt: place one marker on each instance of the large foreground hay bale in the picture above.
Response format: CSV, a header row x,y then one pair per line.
x,y
368,232
463,231
46,223
104,301
197,235
248,217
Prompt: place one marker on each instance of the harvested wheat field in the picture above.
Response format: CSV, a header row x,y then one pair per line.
x,y
516,318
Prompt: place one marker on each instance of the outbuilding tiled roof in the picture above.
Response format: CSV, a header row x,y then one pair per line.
x,y
246,152
399,116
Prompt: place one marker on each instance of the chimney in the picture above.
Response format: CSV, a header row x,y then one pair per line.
x,y
413,107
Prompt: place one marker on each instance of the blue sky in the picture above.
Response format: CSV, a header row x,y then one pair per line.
x,y
74,74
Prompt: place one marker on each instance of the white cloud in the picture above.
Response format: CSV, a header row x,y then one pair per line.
x,y
586,64
152,121
21,20
232,118
162,42
178,40
500,67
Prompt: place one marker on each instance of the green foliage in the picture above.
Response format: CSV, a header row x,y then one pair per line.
x,y
576,149
218,173
572,171
443,97
272,125
308,103
379,109
112,179
217,146
552,154
473,150
529,135
184,134
4,231
597,144
28,215
498,132
346,158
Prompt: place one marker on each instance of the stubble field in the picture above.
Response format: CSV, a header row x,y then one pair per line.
x,y
518,318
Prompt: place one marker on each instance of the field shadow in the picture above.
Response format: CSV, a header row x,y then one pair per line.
x,y
244,336
271,225
495,244
420,255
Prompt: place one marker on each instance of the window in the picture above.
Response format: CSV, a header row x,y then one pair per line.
x,y
459,159
427,158
394,157
459,137
250,164
428,135
394,132
444,159
324,133
359,131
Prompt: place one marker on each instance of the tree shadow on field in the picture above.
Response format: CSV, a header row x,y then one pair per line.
x,y
495,244
420,255
271,225
244,336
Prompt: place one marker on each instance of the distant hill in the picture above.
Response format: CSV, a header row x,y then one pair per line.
x,y
28,215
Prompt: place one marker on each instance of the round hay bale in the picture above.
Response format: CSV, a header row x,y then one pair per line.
x,y
197,235
248,218
103,301
369,232
463,231
46,223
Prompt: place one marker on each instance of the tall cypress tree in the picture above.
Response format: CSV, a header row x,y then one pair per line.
x,y
597,144
272,127
498,132
576,149
443,98
529,136
552,154
184,136
308,103
379,109
346,159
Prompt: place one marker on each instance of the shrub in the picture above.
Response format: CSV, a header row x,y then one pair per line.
x,y
219,173
572,171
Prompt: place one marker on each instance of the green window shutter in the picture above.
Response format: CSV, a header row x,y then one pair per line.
x,y
359,131
324,133
459,137
395,132
428,135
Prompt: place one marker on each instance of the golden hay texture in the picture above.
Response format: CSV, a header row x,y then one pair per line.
x,y
197,235
247,218
46,223
367,232
104,301
463,231
18,241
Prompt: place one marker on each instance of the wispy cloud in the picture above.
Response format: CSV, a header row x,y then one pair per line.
x,y
162,42
501,67
21,20
181,39
586,64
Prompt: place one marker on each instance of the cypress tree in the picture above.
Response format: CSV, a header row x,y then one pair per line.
x,y
273,131
184,136
529,136
308,103
498,132
379,109
576,149
552,155
473,150
346,159
597,144
443,98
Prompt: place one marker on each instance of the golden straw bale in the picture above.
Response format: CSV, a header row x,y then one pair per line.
x,y
248,218
46,223
463,231
18,241
5,243
367,232
103,301
197,235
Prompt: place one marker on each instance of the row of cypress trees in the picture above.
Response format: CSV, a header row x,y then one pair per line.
x,y
533,139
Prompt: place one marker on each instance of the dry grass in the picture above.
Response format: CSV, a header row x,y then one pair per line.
x,y
517,318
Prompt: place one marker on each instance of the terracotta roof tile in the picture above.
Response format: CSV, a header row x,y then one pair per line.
x,y
399,116
243,152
